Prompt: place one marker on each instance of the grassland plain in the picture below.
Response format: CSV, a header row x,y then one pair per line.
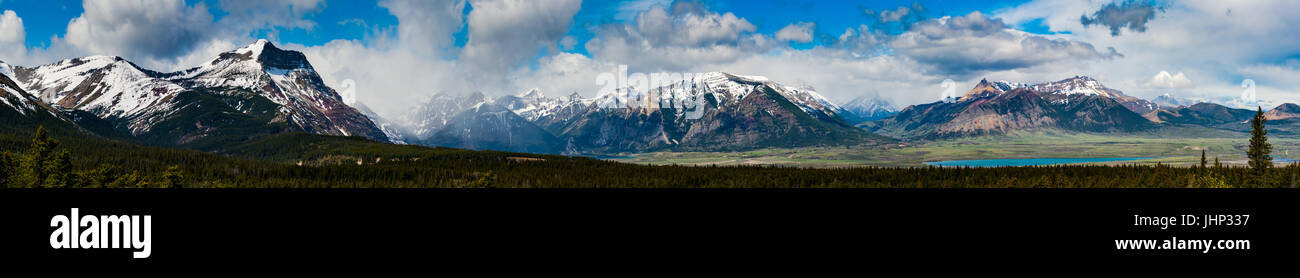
x,y
1174,146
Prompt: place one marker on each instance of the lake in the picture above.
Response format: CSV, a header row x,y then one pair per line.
x,y
1028,161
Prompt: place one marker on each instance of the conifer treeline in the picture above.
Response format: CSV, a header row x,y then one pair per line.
x,y
46,164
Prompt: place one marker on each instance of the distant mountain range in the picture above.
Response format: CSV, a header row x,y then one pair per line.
x,y
260,90
1075,104
713,111
868,108
1170,101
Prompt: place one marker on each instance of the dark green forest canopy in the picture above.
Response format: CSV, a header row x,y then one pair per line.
x,y
302,160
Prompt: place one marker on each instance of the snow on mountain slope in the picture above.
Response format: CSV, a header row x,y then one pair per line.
x,y
1061,91
7,70
720,86
104,85
1064,91
14,97
870,108
114,88
436,111
286,78
395,132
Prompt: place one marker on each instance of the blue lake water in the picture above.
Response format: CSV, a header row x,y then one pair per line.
x,y
1028,161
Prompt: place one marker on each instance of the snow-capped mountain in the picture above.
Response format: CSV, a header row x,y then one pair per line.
x,y
724,88
474,121
488,126
286,78
16,99
252,91
1075,104
395,131
712,111
21,112
534,105
1170,101
436,111
869,108
1061,91
107,86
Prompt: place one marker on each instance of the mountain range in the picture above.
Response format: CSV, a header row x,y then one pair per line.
x,y
1075,104
260,90
706,112
242,94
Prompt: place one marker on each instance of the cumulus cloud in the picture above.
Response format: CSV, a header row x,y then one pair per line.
x,y
900,14
796,32
1165,80
395,67
975,42
1133,15
506,33
399,66
13,37
146,30
565,73
1197,37
678,37
861,41
247,15
427,24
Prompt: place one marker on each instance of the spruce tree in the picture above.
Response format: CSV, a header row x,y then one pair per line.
x,y
32,169
1260,161
1203,162
7,167
58,171
172,177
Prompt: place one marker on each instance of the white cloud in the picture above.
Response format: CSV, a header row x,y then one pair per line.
x,y
1165,80
796,32
13,38
426,25
860,42
146,31
506,33
565,73
398,66
1218,42
976,43
568,43
247,15
678,37
395,70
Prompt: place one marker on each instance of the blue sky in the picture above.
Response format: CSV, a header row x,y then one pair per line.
x,y
354,19
400,50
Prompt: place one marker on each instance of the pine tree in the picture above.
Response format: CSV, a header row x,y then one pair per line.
x,y
32,168
58,171
7,167
1260,161
1203,162
102,176
172,177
